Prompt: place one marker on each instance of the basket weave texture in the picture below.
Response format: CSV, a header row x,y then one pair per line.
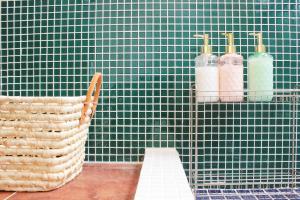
x,y
42,139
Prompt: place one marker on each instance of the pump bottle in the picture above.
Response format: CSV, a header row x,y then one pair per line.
x,y
260,73
207,74
231,73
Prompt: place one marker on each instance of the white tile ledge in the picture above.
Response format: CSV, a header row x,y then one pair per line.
x,y
162,177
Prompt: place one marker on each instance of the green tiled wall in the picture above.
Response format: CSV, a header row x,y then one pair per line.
x,y
146,52
46,47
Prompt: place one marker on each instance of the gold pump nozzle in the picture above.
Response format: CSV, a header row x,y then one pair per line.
x,y
230,48
260,47
205,48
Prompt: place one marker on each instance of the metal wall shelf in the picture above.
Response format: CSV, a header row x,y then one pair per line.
x,y
245,144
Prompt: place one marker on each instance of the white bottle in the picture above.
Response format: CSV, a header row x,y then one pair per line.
x,y
207,74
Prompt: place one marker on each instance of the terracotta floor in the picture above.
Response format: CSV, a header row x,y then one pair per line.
x,y
97,181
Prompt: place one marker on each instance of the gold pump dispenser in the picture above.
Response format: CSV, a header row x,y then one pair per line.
x,y
205,48
260,47
230,48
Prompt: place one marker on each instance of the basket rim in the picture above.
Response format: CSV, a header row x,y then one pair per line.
x,y
43,99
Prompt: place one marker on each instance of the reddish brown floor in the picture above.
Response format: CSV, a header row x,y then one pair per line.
x,y
97,181
4,195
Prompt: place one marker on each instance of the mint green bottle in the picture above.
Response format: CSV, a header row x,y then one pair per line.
x,y
260,73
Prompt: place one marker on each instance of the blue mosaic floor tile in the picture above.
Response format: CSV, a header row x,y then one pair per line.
x,y
285,198
229,191
248,197
217,197
248,194
258,191
203,198
243,191
285,190
201,195
201,191
271,190
214,191
263,197
297,190
293,196
233,197
277,196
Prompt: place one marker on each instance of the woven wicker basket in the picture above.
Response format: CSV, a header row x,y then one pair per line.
x,y
42,139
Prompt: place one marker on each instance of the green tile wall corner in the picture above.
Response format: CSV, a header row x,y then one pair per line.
x,y
147,62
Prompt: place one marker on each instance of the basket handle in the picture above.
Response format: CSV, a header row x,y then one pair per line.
x,y
97,79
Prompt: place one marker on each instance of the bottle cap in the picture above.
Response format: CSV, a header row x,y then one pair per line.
x,y
260,47
205,48
230,48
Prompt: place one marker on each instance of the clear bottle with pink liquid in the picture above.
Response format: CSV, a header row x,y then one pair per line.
x,y
231,73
